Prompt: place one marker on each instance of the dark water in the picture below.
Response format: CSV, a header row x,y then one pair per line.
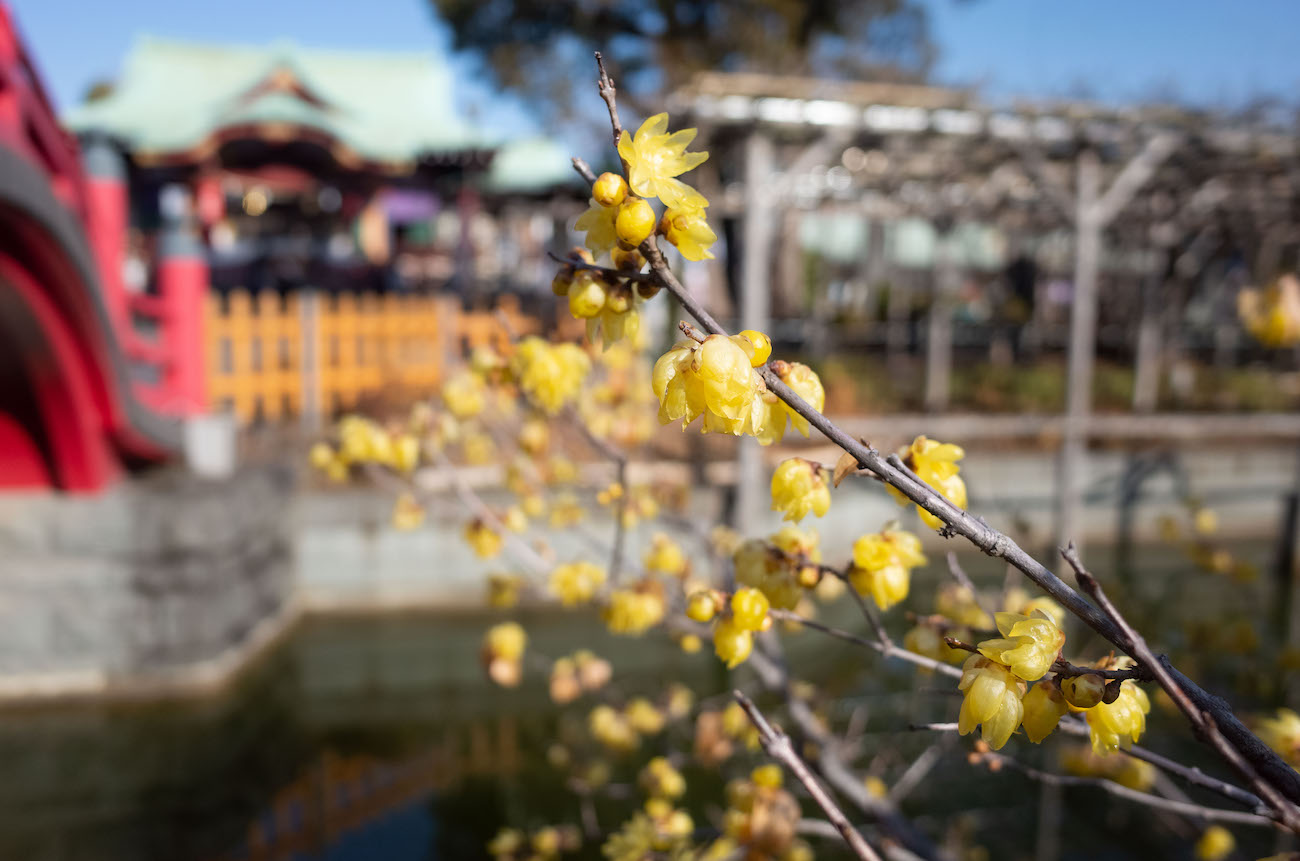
x,y
377,738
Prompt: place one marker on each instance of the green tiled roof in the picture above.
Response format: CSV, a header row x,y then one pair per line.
x,y
386,107
531,165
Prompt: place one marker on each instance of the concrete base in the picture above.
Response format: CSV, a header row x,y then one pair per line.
x,y
165,582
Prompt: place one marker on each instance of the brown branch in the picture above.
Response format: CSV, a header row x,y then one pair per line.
x,y
888,650
1205,723
608,271
963,579
605,85
1065,669
1182,808
778,746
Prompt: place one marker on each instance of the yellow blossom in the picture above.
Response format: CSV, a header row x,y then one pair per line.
x,y
634,222
506,640
503,590
485,540
882,565
609,189
732,643
1272,315
321,456
934,463
655,157
1029,644
407,512
1216,844
551,375
713,379
642,715
576,582
992,700
465,394
1282,734
1044,706
798,487
635,610
690,232
1121,723
598,225
665,556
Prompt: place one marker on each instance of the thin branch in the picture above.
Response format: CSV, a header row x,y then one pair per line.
x,y
1202,721
963,579
1066,669
608,271
610,95
889,650
1183,808
777,745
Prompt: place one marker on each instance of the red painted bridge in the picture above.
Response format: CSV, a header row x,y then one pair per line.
x,y
84,396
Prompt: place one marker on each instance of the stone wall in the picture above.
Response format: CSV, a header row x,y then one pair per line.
x,y
164,581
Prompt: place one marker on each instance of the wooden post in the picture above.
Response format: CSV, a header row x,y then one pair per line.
x,y
1083,337
755,313
1146,371
938,348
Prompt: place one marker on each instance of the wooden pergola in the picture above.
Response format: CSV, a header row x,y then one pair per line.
x,y
1150,194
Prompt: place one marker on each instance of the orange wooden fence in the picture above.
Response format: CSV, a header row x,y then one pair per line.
x,y
272,358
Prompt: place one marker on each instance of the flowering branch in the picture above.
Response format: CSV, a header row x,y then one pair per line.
x,y
1238,743
777,745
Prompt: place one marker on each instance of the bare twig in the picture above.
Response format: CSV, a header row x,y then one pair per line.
x,y
963,579
1183,808
1202,721
777,745
1066,669
889,650
605,85
608,271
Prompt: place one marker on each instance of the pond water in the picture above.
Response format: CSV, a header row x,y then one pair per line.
x,y
377,738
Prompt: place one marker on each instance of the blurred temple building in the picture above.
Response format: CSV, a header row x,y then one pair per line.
x,y
343,218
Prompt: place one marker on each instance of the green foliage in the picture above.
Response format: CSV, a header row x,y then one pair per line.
x,y
539,47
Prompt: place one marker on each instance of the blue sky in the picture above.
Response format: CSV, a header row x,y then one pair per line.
x,y
1205,51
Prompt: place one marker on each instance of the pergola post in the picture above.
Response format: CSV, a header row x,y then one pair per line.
x,y
755,311
938,348
1083,338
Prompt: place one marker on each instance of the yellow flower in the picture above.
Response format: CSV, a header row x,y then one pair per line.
x,y
598,225
713,379
635,610
690,232
958,604
507,640
882,565
992,700
1120,723
464,394
1272,315
503,590
934,463
1044,707
612,729
485,540
634,222
407,513
732,643
1029,644
609,189
655,157
665,555
1282,734
576,582
798,487
807,385
660,779
643,716
551,375
321,456
925,640
1216,843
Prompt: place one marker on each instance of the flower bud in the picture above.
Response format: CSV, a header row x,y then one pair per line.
x,y
1083,692
634,223
609,189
